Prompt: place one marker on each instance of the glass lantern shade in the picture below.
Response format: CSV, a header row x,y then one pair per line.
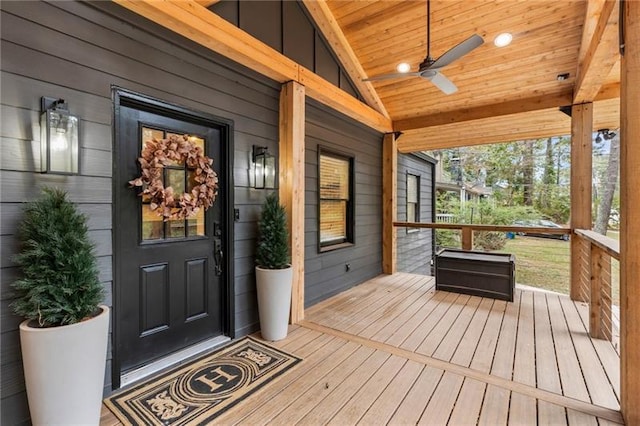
x,y
264,167
58,140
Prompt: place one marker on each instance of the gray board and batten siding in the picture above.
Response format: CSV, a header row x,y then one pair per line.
x,y
415,247
79,51
285,26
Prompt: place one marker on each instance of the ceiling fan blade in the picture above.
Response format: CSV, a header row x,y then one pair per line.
x,y
443,83
457,51
390,76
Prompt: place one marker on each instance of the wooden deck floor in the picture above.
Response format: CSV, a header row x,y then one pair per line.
x,y
395,351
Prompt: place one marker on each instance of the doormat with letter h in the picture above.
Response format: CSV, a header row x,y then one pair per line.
x,y
201,390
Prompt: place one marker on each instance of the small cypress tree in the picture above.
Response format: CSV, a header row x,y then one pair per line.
x,y
273,250
60,283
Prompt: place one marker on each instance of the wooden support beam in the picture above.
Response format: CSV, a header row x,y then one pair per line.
x,y
321,14
581,167
291,182
591,18
609,91
389,202
630,214
200,25
206,3
325,92
598,52
485,111
467,238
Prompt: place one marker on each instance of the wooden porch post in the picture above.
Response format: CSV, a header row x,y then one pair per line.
x,y
292,121
467,238
630,215
581,165
389,202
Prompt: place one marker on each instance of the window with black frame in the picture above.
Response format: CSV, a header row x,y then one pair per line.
x,y
335,192
413,200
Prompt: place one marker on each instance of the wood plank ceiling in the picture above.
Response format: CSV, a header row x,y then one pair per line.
x,y
505,94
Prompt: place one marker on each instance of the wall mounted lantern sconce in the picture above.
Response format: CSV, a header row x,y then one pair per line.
x,y
58,138
264,167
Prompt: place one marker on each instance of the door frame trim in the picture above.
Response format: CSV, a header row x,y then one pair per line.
x,y
124,97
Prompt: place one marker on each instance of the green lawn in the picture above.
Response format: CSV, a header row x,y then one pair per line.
x,y
541,262
545,263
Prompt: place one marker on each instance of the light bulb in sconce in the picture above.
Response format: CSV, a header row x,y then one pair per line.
x,y
59,143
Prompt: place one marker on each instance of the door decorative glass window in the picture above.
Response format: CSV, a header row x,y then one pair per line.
x,y
181,179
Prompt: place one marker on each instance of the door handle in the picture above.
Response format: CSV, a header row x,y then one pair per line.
x,y
218,256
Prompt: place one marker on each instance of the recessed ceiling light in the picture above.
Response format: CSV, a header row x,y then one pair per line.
x,y
403,67
503,39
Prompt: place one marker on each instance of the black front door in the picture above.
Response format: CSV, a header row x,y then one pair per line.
x,y
170,289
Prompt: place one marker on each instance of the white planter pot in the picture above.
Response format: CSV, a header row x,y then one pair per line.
x,y
64,370
274,301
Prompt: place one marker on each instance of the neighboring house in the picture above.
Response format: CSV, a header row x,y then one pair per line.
x,y
126,79
456,189
416,203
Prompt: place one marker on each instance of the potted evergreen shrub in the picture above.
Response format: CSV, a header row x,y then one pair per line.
x,y
274,274
64,336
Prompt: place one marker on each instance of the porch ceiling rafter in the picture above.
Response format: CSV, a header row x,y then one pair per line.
x,y
598,50
321,14
485,111
542,123
200,25
509,121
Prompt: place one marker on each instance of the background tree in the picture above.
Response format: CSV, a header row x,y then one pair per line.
x,y
549,174
608,186
528,172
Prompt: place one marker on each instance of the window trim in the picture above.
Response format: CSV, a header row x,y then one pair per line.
x,y
349,241
418,203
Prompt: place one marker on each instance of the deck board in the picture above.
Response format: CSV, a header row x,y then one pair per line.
x,y
468,403
360,402
470,340
334,402
411,408
395,351
495,407
385,406
592,367
301,386
306,401
434,322
442,401
451,341
547,375
486,348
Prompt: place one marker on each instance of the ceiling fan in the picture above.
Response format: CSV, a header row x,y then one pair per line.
x,y
430,68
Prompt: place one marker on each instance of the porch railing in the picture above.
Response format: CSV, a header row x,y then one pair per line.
x,y
596,252
594,259
467,230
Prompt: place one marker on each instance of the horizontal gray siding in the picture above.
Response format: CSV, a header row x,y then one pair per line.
x,y
77,51
415,248
325,273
